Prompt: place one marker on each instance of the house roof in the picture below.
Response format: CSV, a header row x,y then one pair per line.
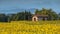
x,y
41,15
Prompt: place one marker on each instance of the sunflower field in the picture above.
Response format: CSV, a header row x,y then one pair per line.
x,y
29,27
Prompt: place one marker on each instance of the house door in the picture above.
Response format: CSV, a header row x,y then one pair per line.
x,y
43,18
34,19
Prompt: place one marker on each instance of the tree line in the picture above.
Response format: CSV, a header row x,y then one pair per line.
x,y
27,15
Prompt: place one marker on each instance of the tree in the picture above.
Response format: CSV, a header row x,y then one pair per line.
x,y
52,14
3,18
24,15
59,16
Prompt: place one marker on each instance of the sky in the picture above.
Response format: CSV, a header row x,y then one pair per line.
x,y
27,4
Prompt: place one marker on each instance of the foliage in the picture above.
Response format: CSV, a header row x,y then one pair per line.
x,y
59,16
27,15
3,18
49,12
24,15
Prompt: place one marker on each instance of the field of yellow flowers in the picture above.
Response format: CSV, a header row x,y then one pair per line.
x,y
29,27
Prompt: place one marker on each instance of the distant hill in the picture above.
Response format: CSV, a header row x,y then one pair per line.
x,y
11,11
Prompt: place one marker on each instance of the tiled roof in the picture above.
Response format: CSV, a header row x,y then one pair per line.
x,y
41,15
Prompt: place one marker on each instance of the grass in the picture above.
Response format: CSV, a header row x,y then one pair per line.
x,y
29,27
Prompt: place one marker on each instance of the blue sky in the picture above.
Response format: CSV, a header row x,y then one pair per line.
x,y
27,4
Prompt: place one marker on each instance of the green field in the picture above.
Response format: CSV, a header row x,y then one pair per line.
x,y
29,27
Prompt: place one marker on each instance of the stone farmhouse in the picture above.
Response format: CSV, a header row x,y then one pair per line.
x,y
39,17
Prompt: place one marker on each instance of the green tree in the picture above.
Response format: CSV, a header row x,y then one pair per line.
x,y
24,15
3,18
59,16
52,14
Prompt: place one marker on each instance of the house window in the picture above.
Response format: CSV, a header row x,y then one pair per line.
x,y
40,18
